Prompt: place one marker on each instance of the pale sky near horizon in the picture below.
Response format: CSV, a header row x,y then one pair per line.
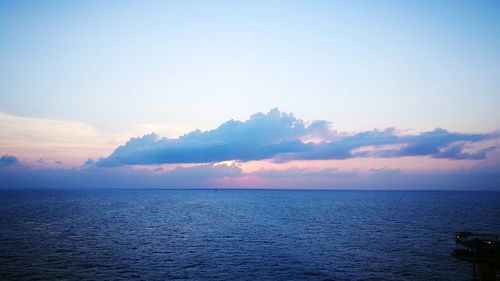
x,y
84,83
195,64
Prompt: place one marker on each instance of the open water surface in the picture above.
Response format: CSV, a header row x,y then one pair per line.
x,y
238,234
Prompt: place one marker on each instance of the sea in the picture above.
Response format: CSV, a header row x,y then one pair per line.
x,y
136,234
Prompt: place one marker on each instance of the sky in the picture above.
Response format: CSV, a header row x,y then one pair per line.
x,y
250,94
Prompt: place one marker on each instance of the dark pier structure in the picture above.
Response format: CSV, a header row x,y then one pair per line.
x,y
482,250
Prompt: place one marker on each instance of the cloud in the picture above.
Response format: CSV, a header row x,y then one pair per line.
x,y
197,176
456,151
89,162
380,178
283,137
436,143
9,160
294,173
42,161
232,176
261,137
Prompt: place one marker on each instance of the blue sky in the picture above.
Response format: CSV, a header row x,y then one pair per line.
x,y
363,64
396,86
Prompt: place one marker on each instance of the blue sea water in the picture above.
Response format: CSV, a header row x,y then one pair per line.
x,y
238,234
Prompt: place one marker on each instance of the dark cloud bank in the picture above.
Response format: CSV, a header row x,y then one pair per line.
x,y
282,137
91,176
214,176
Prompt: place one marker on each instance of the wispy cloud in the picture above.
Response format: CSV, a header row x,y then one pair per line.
x,y
42,139
283,137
